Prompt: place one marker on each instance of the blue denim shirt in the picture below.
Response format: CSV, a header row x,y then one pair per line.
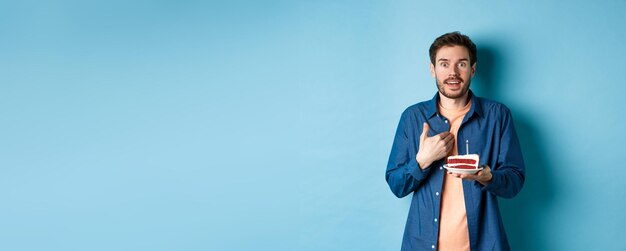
x,y
488,126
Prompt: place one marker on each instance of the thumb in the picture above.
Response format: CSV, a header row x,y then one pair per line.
x,y
424,132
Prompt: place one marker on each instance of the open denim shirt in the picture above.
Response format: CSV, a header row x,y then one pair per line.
x,y
489,129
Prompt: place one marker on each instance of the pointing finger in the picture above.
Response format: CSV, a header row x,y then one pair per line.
x,y
449,138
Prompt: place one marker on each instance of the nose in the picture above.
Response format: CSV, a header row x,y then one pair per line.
x,y
454,72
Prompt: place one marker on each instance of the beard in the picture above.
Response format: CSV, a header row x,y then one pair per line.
x,y
450,95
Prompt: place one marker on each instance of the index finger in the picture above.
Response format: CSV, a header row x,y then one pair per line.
x,y
448,137
443,135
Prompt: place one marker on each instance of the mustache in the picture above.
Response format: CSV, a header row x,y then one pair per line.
x,y
453,79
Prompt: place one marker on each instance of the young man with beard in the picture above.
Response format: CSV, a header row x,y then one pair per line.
x,y
452,211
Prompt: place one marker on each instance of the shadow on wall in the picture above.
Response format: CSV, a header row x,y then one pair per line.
x,y
524,215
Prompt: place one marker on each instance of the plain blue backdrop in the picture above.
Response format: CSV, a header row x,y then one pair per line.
x,y
266,125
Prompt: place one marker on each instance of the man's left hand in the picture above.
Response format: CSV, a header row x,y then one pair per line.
x,y
483,176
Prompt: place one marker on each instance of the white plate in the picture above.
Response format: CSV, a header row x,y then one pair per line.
x,y
462,171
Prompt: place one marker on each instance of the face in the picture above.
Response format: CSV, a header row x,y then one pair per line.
x,y
452,71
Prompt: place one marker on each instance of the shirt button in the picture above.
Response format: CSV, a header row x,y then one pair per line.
x,y
435,219
445,121
441,168
437,193
433,246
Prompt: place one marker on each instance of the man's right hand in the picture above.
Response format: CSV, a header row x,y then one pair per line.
x,y
433,148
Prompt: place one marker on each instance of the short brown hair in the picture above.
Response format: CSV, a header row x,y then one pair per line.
x,y
451,39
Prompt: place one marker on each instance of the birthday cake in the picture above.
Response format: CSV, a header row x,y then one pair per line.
x,y
468,161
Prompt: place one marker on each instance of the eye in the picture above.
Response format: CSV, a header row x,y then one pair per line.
x,y
462,64
444,64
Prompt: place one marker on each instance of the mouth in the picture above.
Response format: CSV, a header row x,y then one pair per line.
x,y
454,83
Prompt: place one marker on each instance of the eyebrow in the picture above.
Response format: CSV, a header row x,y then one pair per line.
x,y
445,59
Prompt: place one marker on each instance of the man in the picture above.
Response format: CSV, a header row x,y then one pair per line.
x,y
452,211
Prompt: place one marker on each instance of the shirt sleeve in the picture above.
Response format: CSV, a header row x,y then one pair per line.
x,y
509,172
403,173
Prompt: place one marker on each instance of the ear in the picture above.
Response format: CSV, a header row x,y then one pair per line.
x,y
473,69
432,71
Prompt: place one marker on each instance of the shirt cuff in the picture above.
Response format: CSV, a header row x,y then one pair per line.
x,y
416,171
496,181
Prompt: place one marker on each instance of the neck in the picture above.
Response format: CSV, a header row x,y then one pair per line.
x,y
453,103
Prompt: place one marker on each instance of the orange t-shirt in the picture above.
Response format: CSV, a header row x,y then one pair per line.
x,y
453,232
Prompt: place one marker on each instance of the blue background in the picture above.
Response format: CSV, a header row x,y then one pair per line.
x,y
245,125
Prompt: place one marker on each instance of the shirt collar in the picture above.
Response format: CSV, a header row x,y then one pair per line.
x,y
476,107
